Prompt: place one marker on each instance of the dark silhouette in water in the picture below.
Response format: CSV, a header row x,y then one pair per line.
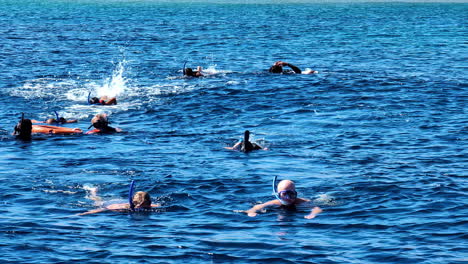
x,y
245,145
23,129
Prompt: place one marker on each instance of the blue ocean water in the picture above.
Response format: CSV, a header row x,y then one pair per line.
x,y
377,138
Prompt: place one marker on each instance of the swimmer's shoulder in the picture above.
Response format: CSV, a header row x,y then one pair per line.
x,y
118,206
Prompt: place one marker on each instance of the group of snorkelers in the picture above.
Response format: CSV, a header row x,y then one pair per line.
x,y
27,127
277,67
285,192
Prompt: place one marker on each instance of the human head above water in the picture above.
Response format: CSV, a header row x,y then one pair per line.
x,y
100,121
61,120
141,200
287,192
247,146
23,129
276,69
189,72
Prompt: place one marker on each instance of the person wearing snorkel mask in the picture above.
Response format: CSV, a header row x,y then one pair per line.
x,y
59,121
245,145
104,100
278,68
141,201
24,129
191,73
286,197
101,125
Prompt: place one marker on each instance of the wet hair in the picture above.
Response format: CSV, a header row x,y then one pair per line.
x,y
23,129
142,199
94,100
189,72
276,69
61,120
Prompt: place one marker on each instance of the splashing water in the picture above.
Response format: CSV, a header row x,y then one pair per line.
x,y
116,85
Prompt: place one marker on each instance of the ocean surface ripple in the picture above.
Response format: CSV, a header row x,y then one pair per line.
x,y
377,138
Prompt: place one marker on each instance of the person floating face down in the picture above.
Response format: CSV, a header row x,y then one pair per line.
x,y
103,100
60,120
24,129
100,122
286,197
245,145
141,201
278,68
191,73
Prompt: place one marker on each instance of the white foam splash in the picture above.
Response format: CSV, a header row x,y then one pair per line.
x,y
325,199
212,70
116,85
309,71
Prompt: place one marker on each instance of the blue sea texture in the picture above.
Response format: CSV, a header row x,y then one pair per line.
x,y
377,138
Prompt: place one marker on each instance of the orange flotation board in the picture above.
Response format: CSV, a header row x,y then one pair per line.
x,y
44,129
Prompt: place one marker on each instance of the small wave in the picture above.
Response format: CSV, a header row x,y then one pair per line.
x,y
325,199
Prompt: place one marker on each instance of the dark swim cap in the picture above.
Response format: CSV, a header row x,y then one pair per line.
x,y
276,69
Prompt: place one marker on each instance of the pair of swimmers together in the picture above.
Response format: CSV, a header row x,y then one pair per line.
x,y
285,193
25,128
275,68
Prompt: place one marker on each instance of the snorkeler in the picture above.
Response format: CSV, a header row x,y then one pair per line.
x,y
25,128
245,145
191,73
278,68
100,122
286,196
140,201
58,120
104,100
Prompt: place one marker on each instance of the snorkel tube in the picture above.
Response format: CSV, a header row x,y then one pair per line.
x,y
131,190
57,118
183,69
275,192
18,126
89,97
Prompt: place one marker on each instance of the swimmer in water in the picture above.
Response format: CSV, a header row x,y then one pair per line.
x,y
101,125
278,68
24,129
245,145
57,120
140,201
287,198
191,73
104,100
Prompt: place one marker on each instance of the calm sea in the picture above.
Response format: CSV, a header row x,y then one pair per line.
x,y
377,139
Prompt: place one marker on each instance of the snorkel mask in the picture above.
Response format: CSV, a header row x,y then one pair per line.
x,y
289,194
100,124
